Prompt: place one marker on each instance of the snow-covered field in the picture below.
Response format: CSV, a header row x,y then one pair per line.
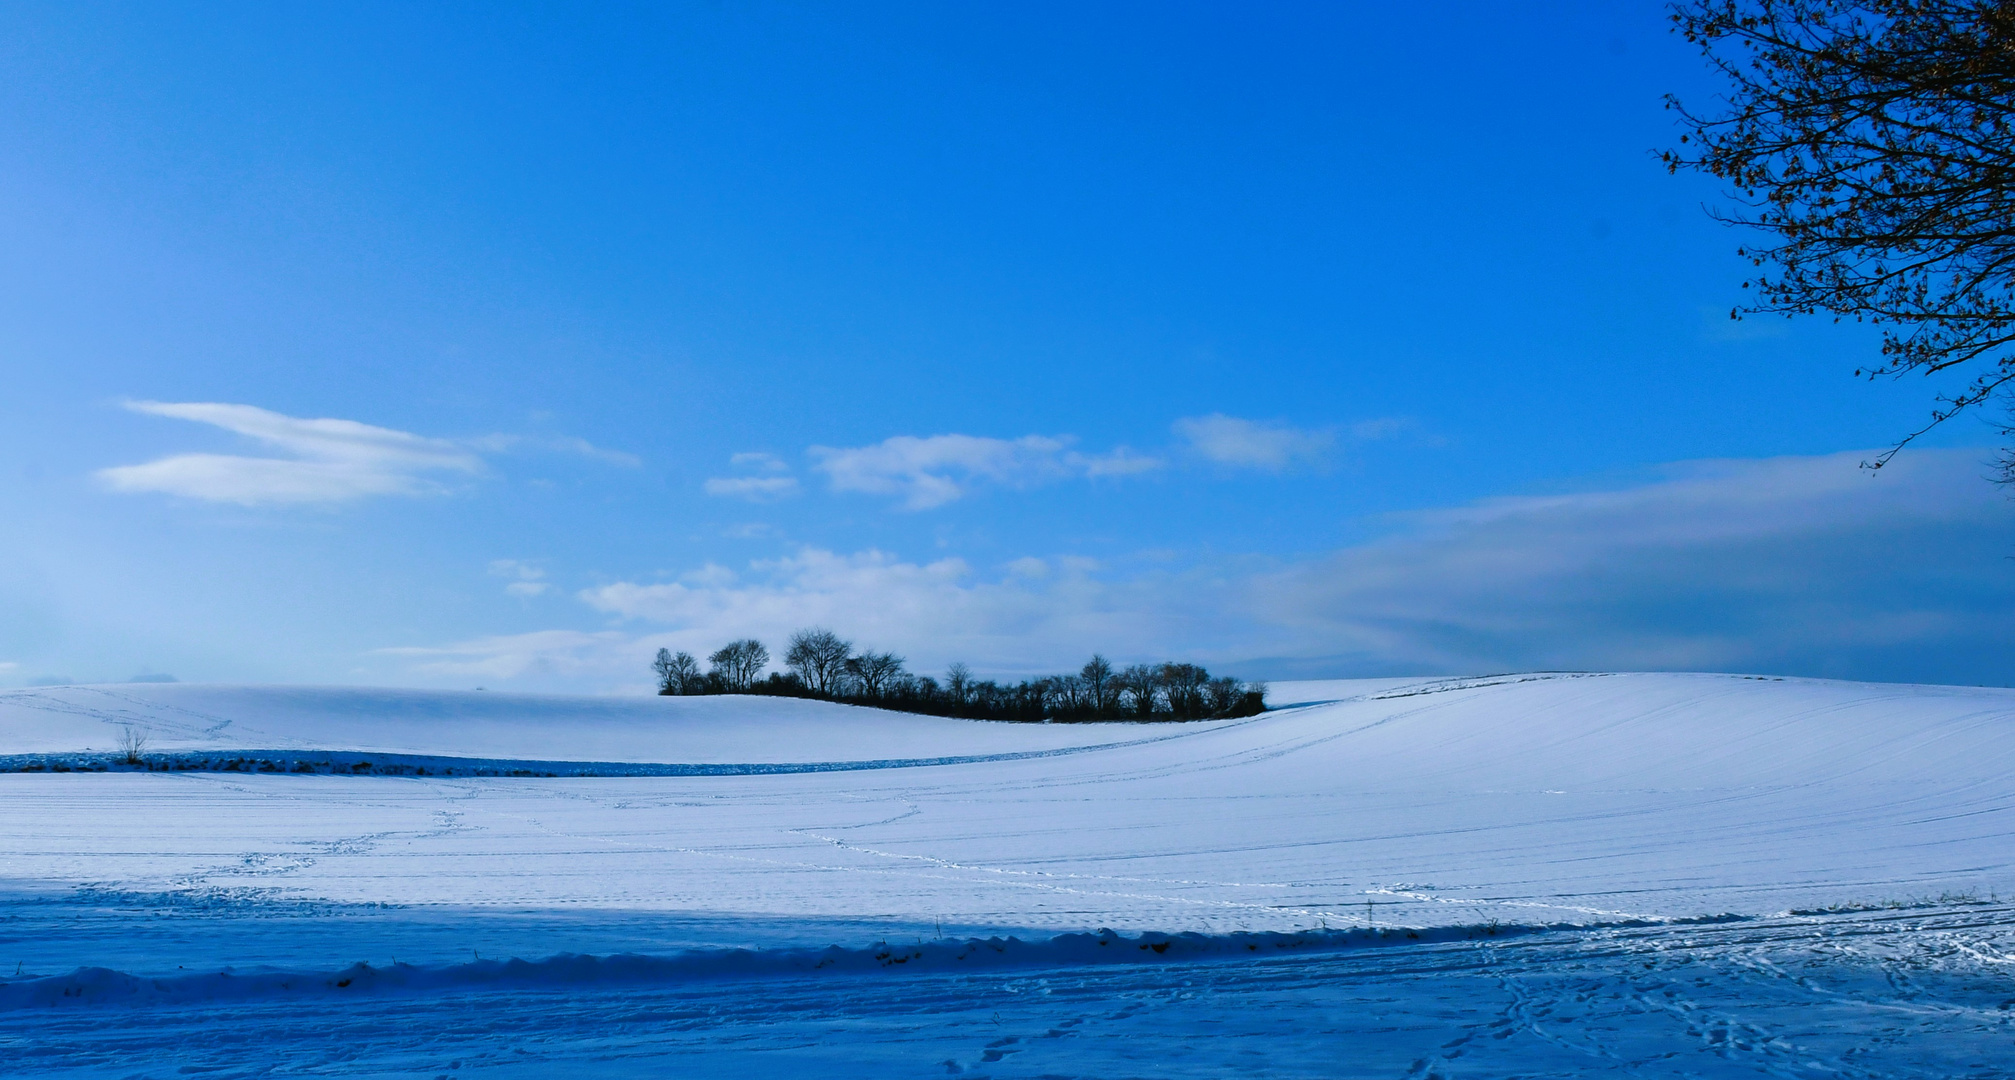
x,y
700,730
1552,875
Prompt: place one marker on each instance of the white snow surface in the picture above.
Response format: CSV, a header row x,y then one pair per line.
x,y
1501,877
1522,799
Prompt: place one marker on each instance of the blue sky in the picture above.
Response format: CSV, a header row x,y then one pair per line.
x,y
432,345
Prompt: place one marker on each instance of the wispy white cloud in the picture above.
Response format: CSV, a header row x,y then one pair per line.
x,y
1254,444
1796,565
324,460
556,444
329,460
526,580
753,488
1272,445
934,470
766,479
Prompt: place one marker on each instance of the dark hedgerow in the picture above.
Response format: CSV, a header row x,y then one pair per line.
x,y
824,667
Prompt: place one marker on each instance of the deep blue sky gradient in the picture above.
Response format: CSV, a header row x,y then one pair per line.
x,y
686,232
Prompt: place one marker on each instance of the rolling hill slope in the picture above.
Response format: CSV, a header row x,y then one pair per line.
x,y
1519,799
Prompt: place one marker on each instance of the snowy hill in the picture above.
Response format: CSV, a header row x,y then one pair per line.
x,y
1650,875
529,727
1520,799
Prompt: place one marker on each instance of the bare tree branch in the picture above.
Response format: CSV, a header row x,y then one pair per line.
x,y
1873,143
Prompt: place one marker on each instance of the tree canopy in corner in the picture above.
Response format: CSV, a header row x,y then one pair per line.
x,y
1871,143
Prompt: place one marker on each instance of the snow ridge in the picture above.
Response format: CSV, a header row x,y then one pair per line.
x,y
103,986
363,763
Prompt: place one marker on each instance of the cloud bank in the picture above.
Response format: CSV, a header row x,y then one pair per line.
x,y
1803,565
545,657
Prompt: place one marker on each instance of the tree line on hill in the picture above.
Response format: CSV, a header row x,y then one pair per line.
x,y
822,665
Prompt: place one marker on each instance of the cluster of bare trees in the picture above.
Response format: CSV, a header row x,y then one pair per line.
x,y
735,667
821,664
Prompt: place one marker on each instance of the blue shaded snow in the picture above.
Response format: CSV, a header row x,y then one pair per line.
x,y
1893,994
